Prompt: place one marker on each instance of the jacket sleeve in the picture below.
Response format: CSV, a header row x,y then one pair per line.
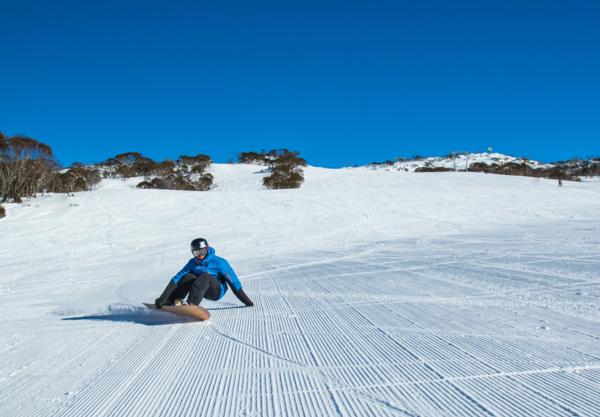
x,y
230,275
186,270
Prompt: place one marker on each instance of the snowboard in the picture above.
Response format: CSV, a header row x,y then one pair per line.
x,y
186,310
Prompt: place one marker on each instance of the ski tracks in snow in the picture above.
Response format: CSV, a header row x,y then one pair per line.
x,y
464,325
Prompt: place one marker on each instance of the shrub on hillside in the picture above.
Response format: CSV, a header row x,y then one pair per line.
x,y
127,165
255,158
286,170
289,158
170,182
590,170
282,178
167,174
250,158
188,173
2,212
91,176
387,162
67,182
433,169
561,171
164,168
515,168
260,158
73,180
483,167
199,163
110,162
143,168
203,182
179,182
124,171
131,158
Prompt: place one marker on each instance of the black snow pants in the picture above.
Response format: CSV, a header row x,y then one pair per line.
x,y
198,287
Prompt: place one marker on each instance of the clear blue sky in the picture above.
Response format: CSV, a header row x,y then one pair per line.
x,y
344,82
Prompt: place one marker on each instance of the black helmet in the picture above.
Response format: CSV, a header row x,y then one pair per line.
x,y
199,247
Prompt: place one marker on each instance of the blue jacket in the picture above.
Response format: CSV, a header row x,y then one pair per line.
x,y
215,266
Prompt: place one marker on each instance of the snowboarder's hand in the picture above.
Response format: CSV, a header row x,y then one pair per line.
x,y
171,286
241,295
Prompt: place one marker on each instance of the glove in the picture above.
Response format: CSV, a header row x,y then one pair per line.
x,y
165,295
241,295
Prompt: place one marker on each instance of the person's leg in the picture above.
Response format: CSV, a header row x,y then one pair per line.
x,y
214,289
204,286
183,287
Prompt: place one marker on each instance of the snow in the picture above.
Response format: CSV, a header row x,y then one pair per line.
x,y
459,162
378,293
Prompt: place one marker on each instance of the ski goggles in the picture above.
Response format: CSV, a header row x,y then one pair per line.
x,y
200,252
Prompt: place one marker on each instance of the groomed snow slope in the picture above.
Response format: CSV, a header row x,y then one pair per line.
x,y
377,294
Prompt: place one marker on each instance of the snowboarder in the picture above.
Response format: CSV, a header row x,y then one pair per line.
x,y
206,275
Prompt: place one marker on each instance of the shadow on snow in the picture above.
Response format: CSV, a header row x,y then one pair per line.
x,y
145,317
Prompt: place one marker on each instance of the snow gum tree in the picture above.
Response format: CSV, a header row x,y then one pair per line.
x,y
26,167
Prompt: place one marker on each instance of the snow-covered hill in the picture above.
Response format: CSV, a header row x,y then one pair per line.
x,y
459,162
378,293
496,163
